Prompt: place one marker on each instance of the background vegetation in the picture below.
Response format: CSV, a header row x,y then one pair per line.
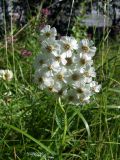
x,y
34,126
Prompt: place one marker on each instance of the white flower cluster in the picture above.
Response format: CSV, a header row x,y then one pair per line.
x,y
65,67
6,74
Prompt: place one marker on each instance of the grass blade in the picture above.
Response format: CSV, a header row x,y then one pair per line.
x,y
30,137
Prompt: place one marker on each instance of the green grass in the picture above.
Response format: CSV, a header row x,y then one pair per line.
x,y
35,126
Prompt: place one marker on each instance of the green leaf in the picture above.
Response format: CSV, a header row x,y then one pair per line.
x,y
85,123
30,137
114,90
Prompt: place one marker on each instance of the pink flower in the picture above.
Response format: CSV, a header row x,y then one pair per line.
x,y
45,12
25,53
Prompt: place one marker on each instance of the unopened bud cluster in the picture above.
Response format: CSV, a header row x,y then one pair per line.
x,y
65,67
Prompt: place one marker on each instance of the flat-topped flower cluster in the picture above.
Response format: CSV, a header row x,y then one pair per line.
x,y
65,67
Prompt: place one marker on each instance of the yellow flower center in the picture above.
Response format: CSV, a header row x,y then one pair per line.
x,y
60,77
66,46
86,74
60,92
41,62
47,34
79,90
82,61
6,76
71,98
75,77
50,88
50,48
81,100
40,79
49,67
69,61
85,48
58,58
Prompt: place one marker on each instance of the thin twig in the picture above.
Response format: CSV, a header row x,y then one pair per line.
x,y
69,20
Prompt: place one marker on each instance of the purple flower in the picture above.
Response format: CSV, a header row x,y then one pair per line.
x,y
45,12
25,53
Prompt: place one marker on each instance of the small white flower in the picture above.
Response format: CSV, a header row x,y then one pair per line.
x,y
82,88
48,32
50,46
82,60
60,57
56,87
86,48
89,71
95,87
48,69
40,60
71,62
72,97
42,80
68,44
38,78
75,77
48,81
6,74
84,99
61,75
51,66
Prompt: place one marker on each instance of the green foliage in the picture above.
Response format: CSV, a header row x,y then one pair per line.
x,y
35,126
79,30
